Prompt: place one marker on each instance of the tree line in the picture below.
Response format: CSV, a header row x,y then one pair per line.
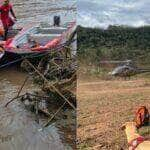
x,y
114,43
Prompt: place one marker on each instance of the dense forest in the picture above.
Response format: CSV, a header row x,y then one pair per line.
x,y
114,43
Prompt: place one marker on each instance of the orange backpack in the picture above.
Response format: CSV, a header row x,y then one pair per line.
x,y
142,117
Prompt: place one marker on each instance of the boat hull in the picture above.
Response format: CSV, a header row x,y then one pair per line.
x,y
34,39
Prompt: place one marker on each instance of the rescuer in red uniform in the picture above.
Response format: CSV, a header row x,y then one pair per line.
x,y
7,21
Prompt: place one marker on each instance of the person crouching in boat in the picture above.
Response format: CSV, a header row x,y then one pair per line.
x,y
7,21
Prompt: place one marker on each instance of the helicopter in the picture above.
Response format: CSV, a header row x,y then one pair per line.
x,y
126,69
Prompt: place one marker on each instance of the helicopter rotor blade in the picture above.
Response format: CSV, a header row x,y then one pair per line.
x,y
115,62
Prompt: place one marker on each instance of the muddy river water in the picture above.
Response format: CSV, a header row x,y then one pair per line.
x,y
43,10
18,129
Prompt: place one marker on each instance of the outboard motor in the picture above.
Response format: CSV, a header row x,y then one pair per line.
x,y
57,21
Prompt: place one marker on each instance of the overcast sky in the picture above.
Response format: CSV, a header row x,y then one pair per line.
x,y
101,13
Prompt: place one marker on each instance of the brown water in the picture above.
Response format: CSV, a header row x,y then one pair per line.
x,y
18,129
44,10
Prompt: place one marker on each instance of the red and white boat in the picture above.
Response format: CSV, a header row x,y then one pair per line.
x,y
38,38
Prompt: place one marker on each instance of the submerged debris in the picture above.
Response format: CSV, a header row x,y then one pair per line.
x,y
55,73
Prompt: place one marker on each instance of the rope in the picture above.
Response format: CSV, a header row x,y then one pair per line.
x,y
10,63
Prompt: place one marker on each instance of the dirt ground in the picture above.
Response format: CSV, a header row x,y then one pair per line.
x,y
103,106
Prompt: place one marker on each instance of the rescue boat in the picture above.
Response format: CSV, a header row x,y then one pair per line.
x,y
38,38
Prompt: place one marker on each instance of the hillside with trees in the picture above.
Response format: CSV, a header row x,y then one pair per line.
x,y
114,43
